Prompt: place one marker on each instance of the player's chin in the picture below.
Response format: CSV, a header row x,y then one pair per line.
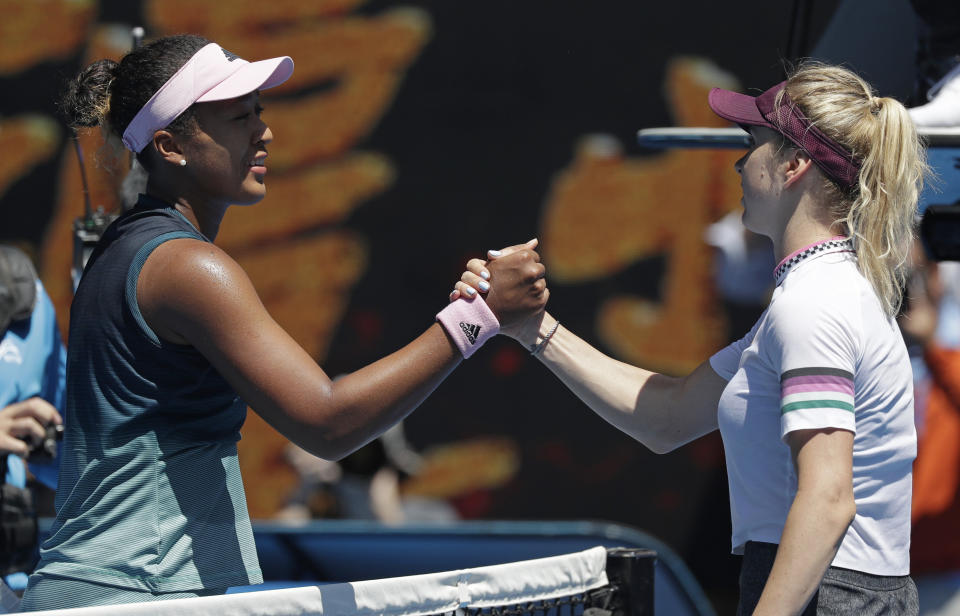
x,y
251,196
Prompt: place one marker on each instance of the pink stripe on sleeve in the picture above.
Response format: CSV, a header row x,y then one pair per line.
x,y
787,390
819,379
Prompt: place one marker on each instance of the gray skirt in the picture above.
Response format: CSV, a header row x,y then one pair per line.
x,y
842,591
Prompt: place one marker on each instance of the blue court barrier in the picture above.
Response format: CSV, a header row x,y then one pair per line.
x,y
347,550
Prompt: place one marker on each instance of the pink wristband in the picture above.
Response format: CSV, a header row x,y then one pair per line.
x,y
470,323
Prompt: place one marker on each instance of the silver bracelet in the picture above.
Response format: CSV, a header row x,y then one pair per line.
x,y
539,347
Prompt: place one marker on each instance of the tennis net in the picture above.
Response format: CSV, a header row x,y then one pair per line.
x,y
595,582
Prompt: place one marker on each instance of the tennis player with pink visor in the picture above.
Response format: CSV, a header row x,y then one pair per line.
x,y
815,403
169,343
212,74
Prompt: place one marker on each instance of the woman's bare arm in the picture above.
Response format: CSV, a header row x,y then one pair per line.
x,y
191,292
661,412
821,512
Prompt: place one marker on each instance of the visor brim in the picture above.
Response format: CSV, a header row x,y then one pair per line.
x,y
253,76
737,108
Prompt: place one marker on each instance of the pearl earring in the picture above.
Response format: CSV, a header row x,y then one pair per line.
x,y
183,162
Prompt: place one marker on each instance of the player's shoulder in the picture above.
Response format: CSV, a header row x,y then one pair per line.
x,y
822,287
814,308
192,257
188,269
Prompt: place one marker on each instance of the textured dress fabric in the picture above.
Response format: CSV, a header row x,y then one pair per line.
x,y
150,496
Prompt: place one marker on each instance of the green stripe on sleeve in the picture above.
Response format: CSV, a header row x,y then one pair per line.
x,y
816,404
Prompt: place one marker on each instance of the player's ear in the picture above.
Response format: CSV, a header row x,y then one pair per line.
x,y
798,164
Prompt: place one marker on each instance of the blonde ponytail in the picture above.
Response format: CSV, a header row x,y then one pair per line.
x,y
879,211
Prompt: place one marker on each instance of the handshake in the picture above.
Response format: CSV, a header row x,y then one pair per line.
x,y
512,282
30,428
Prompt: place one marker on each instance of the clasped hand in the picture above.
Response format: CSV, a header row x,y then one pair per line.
x,y
513,284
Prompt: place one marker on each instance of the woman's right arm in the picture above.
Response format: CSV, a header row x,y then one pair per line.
x,y
191,292
661,412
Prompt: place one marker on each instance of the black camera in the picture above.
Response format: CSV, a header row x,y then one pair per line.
x,y
46,449
940,232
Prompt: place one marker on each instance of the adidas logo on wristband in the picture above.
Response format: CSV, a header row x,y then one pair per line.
x,y
472,331
468,324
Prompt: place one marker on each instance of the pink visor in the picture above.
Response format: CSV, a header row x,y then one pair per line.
x,y
788,120
212,74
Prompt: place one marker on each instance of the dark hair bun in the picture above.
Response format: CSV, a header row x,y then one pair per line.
x,y
86,99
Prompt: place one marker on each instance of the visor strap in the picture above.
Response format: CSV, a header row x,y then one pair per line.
x,y
841,167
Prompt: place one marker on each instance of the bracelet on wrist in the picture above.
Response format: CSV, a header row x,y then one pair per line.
x,y
537,348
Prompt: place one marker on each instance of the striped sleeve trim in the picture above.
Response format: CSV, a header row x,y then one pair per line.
x,y
789,374
816,388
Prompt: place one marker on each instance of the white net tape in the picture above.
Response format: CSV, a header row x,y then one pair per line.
x,y
416,595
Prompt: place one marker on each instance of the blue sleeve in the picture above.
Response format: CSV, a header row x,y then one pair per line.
x,y
55,372
53,381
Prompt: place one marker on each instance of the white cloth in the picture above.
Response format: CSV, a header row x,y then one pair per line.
x,y
843,364
943,110
415,595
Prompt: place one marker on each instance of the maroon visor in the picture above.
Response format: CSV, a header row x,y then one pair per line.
x,y
789,121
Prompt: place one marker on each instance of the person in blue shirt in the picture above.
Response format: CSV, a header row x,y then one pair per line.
x,y
32,384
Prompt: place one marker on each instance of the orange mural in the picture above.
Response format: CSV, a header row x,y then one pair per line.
x,y
33,137
606,212
41,30
215,18
459,468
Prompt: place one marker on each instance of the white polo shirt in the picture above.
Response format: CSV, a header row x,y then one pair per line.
x,y
823,355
